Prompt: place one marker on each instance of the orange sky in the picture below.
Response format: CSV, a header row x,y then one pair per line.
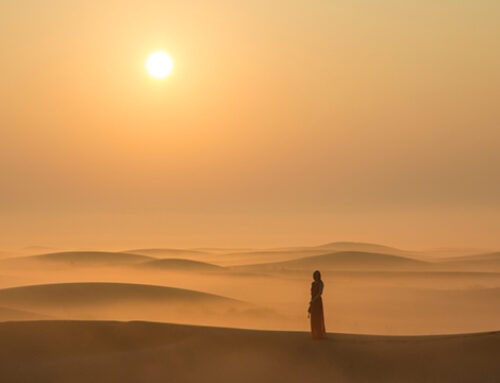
x,y
284,122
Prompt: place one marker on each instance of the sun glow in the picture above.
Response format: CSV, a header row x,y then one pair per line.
x,y
159,64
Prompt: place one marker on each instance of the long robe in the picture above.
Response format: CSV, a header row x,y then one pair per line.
x,y
318,330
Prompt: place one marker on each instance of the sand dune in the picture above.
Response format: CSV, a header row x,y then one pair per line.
x,y
483,262
180,264
343,260
262,256
451,252
365,293
124,301
81,258
228,256
223,250
7,314
166,252
290,253
495,256
237,257
94,293
63,351
361,247
273,255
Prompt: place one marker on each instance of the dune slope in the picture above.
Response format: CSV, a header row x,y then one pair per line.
x,y
180,264
125,301
344,260
81,258
360,246
166,252
84,351
7,314
482,262
92,293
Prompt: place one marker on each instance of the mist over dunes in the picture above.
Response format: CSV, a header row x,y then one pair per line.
x,y
268,256
362,247
332,255
122,301
398,291
224,250
180,264
81,258
70,299
99,293
70,295
475,262
166,252
344,260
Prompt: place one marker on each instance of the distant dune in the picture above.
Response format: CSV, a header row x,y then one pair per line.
x,y
363,247
81,258
180,265
126,352
484,262
272,254
93,293
450,252
349,260
223,249
166,252
264,256
123,301
7,314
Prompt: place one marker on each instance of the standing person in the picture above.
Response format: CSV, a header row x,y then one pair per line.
x,y
316,308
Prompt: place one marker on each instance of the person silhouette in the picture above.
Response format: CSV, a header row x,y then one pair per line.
x,y
316,308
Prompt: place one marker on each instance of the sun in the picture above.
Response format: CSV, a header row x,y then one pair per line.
x,y
159,64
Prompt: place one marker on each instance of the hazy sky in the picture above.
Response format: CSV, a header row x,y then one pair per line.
x,y
284,122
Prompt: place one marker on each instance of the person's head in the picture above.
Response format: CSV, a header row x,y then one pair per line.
x,y
317,275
